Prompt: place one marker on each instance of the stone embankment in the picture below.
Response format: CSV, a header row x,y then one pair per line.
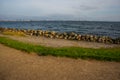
x,y
69,36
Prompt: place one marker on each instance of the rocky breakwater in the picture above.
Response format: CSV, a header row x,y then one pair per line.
x,y
68,36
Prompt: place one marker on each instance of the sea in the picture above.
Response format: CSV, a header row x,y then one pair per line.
x,y
99,28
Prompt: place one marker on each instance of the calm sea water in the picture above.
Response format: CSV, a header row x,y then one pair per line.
x,y
111,29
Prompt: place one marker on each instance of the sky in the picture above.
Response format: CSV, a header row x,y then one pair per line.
x,y
91,10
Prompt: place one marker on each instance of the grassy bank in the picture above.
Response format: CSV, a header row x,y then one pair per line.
x,y
111,54
13,33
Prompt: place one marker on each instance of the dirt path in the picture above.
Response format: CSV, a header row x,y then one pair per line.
x,y
18,65
60,42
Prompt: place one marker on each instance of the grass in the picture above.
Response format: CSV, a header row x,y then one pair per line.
x,y
109,54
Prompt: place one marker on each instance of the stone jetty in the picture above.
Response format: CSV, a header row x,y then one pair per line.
x,y
67,36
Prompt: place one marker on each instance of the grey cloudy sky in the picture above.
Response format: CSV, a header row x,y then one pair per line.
x,y
103,10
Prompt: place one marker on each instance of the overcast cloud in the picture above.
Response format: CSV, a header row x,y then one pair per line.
x,y
107,10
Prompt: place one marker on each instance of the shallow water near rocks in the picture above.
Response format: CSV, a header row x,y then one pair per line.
x,y
111,29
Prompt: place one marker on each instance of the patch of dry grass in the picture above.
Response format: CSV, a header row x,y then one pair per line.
x,y
14,33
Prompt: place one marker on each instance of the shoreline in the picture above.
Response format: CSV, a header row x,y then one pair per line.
x,y
57,35
48,42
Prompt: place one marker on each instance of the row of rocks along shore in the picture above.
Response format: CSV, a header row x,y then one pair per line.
x,y
68,36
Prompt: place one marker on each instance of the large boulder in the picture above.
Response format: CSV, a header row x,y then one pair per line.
x,y
79,37
83,37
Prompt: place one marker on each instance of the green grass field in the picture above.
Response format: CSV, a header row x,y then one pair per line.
x,y
104,54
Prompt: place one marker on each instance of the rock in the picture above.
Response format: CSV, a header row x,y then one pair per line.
x,y
73,38
51,36
61,36
69,37
64,33
34,32
95,38
79,37
92,38
100,39
108,40
42,32
65,37
1,29
53,33
117,40
87,37
103,38
56,36
83,37
31,34
72,33
47,35
76,35
38,33
46,32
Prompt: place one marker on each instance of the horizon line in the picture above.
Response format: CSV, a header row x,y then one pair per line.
x,y
55,20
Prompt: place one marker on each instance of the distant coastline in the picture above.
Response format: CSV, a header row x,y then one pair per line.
x,y
53,20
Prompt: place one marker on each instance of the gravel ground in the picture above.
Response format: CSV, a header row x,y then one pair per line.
x,y
60,42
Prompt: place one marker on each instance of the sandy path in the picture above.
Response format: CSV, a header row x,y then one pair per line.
x,y
60,42
17,65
